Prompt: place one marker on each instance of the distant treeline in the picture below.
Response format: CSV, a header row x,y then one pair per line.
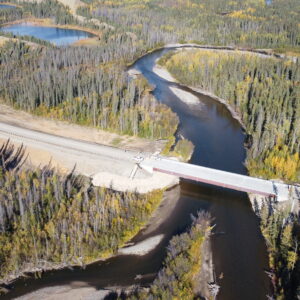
x,y
50,220
81,86
266,94
219,22
142,25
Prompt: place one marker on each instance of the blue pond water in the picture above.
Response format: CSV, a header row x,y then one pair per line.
x,y
57,36
6,6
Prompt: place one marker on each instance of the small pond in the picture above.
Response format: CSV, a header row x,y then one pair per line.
x,y
5,6
57,36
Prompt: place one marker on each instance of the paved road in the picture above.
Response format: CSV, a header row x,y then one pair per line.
x,y
218,177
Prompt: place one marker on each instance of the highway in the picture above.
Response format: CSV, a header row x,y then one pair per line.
x,y
108,164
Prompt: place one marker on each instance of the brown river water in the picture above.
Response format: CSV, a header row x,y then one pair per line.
x,y
239,252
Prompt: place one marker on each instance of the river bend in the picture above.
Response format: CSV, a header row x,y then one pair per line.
x,y
239,251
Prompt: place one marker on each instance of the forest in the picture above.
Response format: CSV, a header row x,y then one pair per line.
x,y
50,220
279,228
77,84
144,25
250,23
265,92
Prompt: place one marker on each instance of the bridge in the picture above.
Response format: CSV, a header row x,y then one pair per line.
x,y
234,181
113,164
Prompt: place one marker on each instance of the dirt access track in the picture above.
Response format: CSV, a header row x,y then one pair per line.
x,y
93,151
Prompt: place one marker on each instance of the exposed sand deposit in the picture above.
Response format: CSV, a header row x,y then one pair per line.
x,y
142,183
163,73
143,247
74,292
184,96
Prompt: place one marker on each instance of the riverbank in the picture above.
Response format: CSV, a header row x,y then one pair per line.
x,y
77,291
180,90
191,99
160,70
278,267
141,240
216,71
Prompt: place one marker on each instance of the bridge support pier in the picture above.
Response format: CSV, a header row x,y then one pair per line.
x,y
133,172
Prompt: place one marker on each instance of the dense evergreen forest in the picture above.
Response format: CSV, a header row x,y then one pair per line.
x,y
250,23
280,229
77,84
265,92
49,220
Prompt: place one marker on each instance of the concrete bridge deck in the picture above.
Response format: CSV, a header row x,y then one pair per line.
x,y
217,177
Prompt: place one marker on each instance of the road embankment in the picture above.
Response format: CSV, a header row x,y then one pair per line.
x,y
94,153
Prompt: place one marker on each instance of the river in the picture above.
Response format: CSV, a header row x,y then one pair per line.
x,y
239,251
